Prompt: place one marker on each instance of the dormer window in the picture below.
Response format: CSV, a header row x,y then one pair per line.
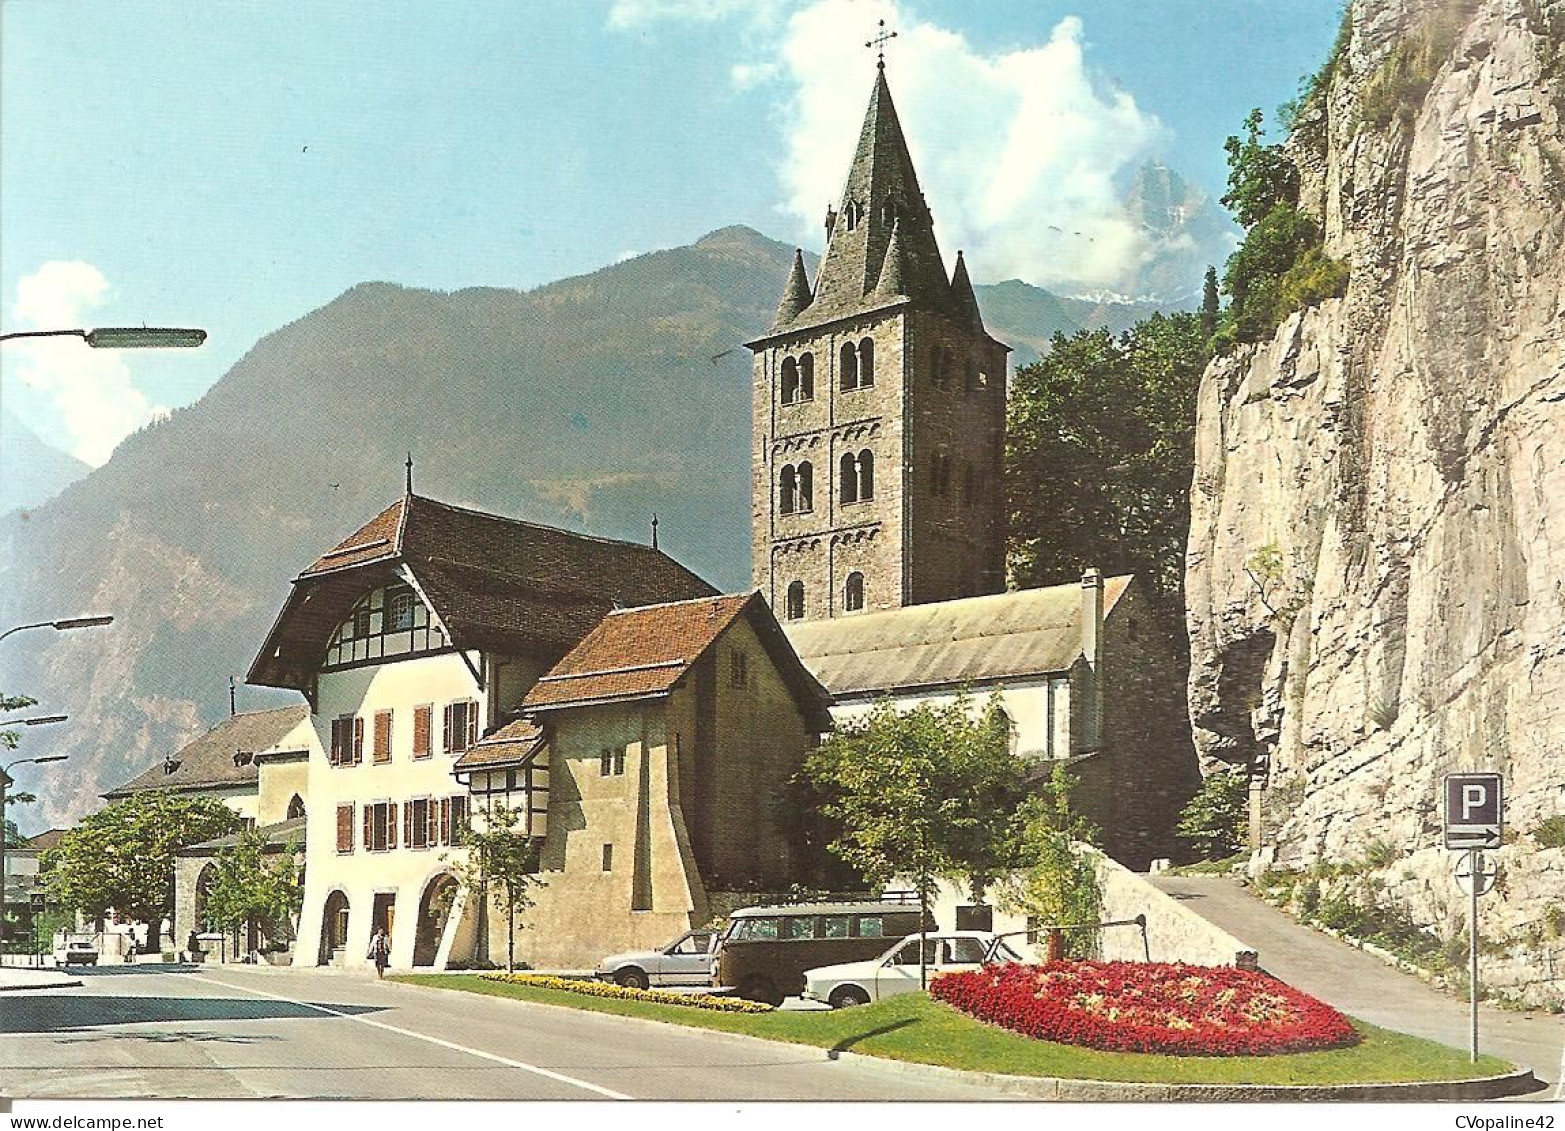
x,y
386,622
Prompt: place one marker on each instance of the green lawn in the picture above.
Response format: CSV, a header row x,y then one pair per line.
x,y
912,1027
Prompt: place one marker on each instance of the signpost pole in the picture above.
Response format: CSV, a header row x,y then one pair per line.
x,y
1473,857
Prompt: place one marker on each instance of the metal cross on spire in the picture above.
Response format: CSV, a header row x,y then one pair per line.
x,y
882,37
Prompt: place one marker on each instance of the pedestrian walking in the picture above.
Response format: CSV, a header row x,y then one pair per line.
x,y
380,951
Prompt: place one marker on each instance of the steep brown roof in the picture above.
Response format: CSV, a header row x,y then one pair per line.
x,y
208,762
510,744
644,653
495,583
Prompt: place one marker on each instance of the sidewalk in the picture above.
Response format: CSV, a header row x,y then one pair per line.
x,y
35,978
1362,985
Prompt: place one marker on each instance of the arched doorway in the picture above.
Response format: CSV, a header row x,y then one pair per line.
x,y
433,911
334,926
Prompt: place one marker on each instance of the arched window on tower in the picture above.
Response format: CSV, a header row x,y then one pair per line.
x,y
848,475
866,469
806,486
888,212
788,490
849,366
807,377
790,380
853,592
866,362
795,606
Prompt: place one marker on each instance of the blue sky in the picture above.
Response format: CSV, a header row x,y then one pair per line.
x,y
235,166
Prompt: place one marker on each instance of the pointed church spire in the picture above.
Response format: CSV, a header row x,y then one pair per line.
x,y
881,194
892,283
963,301
796,293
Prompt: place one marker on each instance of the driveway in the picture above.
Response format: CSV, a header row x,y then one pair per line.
x,y
1362,985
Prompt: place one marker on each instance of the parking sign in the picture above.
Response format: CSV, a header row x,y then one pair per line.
x,y
1472,811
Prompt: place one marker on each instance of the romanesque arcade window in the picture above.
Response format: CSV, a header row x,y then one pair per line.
x,y
795,604
795,488
857,476
798,378
857,365
853,592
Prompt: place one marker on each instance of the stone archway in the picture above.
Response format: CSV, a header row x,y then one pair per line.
x,y
334,926
434,908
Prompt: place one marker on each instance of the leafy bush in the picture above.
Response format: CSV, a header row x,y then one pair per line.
x,y
1550,832
1213,822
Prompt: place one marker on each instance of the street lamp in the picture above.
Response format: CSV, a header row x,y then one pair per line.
x,y
122,337
64,625
5,782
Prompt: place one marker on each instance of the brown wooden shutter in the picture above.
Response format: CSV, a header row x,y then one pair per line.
x,y
430,815
382,736
336,742
345,828
421,721
369,828
407,823
391,824
448,729
358,740
443,822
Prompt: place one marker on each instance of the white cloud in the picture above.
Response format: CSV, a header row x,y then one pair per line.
x,y
90,390
1017,151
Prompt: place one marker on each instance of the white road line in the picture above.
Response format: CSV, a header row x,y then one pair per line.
x,y
533,1068
1559,1081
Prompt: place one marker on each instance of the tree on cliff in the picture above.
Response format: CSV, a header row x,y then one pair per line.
x,y
122,857
1100,451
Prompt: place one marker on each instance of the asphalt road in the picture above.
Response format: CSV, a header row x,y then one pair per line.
x,y
1364,986
251,1033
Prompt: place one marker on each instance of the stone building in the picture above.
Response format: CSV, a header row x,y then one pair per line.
x,y
879,410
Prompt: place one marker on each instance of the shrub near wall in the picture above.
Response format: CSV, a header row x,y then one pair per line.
x,y
626,993
1148,1007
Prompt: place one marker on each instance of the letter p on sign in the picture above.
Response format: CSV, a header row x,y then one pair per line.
x,y
1472,811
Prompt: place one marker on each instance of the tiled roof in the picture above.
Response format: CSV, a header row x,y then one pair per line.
x,y
495,583
510,744
278,837
644,653
50,838
208,762
973,640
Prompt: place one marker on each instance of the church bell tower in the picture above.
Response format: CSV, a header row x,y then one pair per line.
x,y
879,409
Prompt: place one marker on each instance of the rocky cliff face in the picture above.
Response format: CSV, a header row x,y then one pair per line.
x,y
1376,569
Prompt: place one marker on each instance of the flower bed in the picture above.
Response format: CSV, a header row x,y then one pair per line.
x,y
625,993
1149,1007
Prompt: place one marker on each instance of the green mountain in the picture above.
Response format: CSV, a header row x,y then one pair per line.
x,y
591,403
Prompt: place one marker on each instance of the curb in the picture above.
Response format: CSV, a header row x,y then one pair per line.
x,y
1519,1082
27,987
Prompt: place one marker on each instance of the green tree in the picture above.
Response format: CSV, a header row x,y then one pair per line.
x,y
254,888
1260,176
1100,452
1056,882
122,857
1213,822
498,870
1211,303
926,793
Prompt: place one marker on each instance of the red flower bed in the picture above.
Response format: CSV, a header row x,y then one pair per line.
x,y
1148,1007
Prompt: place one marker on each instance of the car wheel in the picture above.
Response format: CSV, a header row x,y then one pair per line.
x,y
760,989
632,978
844,996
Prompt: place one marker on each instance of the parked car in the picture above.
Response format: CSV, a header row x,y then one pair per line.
x,y
77,950
897,970
766,950
687,961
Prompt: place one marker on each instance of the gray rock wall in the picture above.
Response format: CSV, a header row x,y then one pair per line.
x,y
1401,451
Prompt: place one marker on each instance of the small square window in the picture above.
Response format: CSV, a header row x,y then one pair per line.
x,y
605,762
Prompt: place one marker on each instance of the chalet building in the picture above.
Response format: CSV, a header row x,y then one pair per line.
x,y
419,643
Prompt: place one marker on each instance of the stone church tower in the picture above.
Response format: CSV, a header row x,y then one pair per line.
x,y
879,407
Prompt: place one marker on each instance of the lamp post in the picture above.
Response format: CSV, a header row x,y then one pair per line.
x,y
122,337
5,783
64,625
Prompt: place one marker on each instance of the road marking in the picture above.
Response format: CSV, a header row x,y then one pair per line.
x,y
1559,1081
525,1067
